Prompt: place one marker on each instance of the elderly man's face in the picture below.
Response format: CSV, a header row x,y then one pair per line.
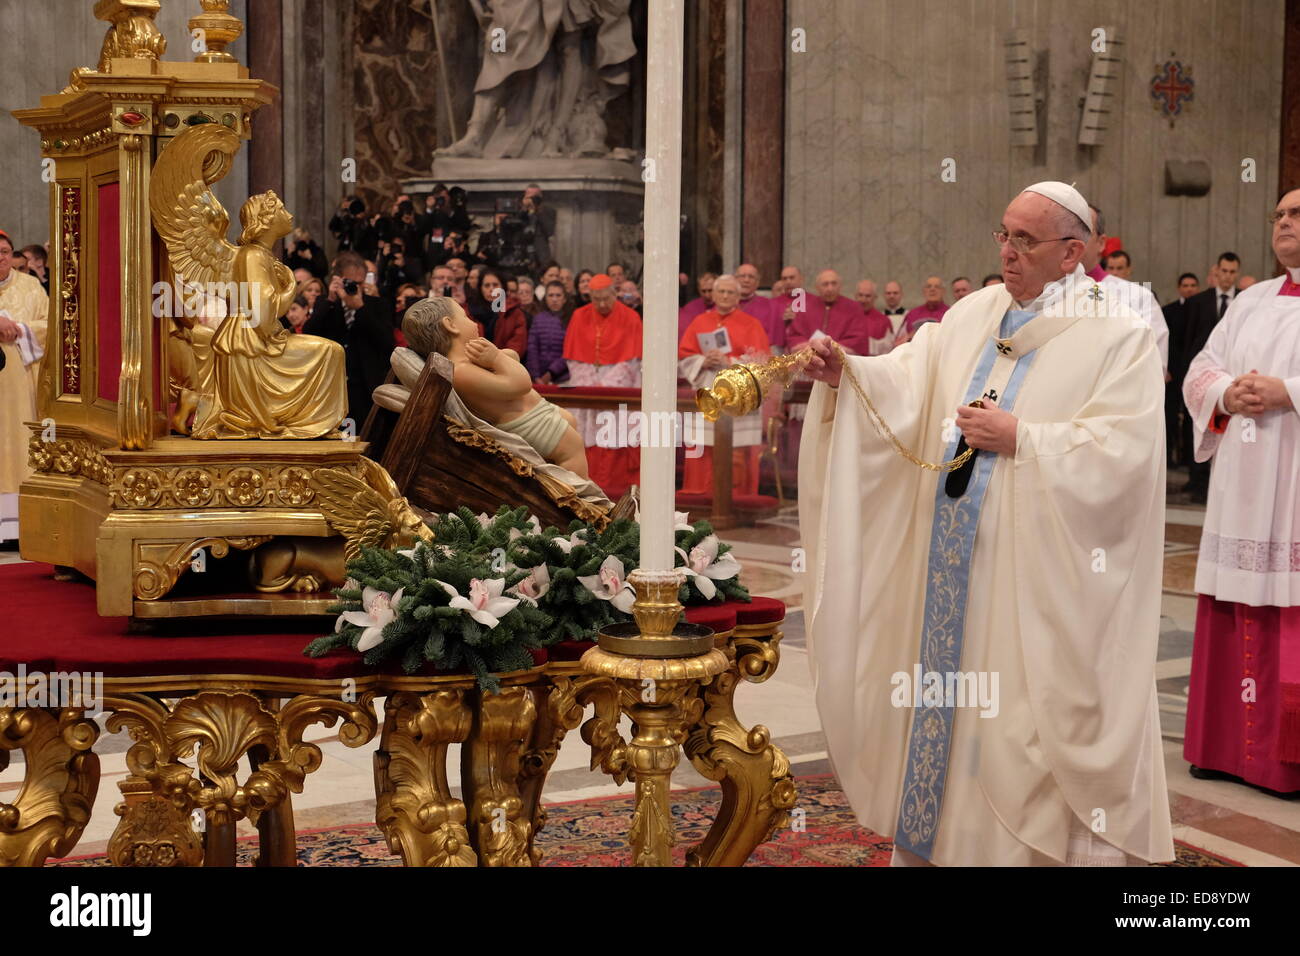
x,y
792,278
1286,231
747,276
932,291
960,289
1035,218
442,277
603,299
726,295
893,294
828,285
628,293
866,295
6,258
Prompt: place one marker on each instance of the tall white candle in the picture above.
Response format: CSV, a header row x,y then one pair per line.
x,y
663,190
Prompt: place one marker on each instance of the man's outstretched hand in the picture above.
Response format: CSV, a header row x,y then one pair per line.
x,y
825,365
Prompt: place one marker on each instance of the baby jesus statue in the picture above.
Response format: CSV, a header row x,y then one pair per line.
x,y
493,383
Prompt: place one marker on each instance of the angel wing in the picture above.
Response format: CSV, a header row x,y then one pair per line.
x,y
353,509
186,213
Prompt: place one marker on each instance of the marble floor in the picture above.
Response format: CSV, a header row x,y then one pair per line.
x,y
1225,818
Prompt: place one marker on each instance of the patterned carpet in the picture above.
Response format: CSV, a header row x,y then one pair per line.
x,y
594,833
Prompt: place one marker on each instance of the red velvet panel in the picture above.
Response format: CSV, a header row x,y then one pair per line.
x,y
56,627
53,625
109,302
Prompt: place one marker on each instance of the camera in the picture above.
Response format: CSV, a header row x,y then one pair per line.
x,y
350,286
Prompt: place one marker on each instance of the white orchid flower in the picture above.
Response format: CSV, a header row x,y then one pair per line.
x,y
609,584
572,541
483,519
704,565
535,585
485,603
380,609
411,552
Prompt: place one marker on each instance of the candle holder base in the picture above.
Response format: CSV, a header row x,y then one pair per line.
x,y
686,640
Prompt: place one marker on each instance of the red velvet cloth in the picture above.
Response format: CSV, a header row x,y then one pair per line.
x,y
54,627
760,610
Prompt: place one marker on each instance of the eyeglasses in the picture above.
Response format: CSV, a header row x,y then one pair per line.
x,y
1292,213
1023,245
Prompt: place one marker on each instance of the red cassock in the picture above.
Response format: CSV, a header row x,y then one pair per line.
x,y
603,341
747,336
843,320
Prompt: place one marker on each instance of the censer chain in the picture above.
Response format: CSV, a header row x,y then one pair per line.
x,y
884,429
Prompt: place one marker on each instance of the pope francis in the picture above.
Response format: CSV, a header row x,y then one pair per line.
x,y
1030,570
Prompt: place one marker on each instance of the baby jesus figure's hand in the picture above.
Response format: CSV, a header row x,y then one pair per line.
x,y
482,352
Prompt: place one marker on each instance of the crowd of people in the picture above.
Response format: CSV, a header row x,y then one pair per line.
x,y
582,327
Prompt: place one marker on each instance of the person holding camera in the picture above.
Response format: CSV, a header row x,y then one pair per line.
x,y
539,220
354,232
355,318
301,251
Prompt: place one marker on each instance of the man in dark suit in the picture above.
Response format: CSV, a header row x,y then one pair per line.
x,y
1201,313
355,317
1175,319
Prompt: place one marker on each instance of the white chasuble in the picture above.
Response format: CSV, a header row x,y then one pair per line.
x,y
1036,590
24,301
1250,546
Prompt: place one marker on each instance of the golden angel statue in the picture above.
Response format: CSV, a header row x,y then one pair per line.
x,y
251,378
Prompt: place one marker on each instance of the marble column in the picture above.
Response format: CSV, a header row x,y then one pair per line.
x,y
266,62
1289,167
763,136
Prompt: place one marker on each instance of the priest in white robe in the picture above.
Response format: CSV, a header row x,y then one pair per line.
x,y
23,307
1243,395
1035,575
1137,297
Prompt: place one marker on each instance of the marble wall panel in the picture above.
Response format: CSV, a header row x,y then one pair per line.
x,y
890,88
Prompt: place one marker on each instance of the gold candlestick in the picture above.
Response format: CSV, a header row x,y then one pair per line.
x,y
660,665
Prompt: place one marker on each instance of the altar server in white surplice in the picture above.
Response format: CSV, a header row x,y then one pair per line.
x,y
983,642
1243,393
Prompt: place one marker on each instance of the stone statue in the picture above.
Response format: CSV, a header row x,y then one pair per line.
x,y
251,378
549,69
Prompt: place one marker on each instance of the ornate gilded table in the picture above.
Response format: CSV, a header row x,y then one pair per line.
x,y
195,706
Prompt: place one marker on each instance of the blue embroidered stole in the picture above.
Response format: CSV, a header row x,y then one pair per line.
x,y
943,628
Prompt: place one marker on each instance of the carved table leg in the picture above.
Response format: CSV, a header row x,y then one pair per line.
x,y
422,822
219,728
757,786
490,771
277,843
61,778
